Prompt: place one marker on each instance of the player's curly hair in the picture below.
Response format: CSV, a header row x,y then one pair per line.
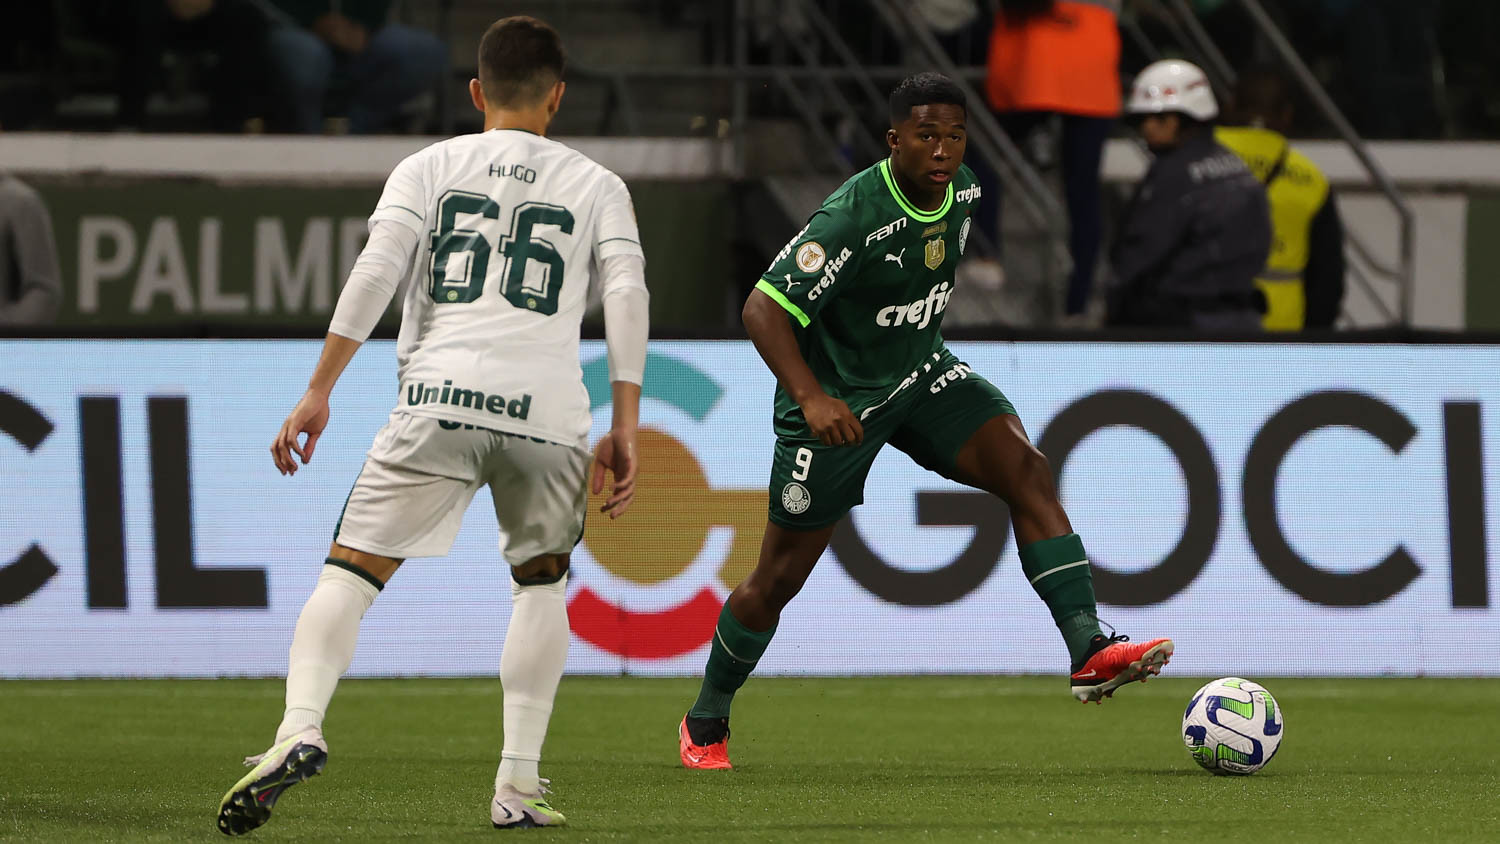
x,y
925,89
520,59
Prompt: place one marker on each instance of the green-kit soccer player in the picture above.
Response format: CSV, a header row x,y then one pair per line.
x,y
848,318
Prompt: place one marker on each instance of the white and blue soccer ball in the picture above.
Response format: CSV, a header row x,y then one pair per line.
x,y
1232,726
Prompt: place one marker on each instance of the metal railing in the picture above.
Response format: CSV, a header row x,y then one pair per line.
x,y
1405,270
817,75
819,80
1036,201
854,92
1184,25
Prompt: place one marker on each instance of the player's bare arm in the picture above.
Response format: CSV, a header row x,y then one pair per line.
x,y
310,416
829,419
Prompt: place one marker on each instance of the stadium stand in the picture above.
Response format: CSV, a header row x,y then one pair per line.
x,y
775,101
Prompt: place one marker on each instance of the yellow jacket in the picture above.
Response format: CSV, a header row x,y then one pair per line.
x,y
1304,276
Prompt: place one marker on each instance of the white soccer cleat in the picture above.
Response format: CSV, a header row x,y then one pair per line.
x,y
294,759
512,809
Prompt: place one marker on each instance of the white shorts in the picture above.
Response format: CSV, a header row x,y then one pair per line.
x,y
419,477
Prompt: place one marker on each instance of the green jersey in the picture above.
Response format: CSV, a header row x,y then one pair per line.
x,y
867,281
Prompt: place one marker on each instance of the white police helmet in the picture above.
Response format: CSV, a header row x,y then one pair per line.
x,y
1173,86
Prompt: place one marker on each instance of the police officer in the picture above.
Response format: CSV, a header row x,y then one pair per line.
x,y
1198,229
1304,277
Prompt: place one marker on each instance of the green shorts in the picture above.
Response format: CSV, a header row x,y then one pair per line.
x,y
929,417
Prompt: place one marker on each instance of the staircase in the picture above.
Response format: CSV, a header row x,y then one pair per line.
x,y
600,36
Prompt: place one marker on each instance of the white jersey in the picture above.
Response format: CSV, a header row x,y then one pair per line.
x,y
510,226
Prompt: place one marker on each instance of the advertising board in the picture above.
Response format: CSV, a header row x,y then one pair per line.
x,y
1276,509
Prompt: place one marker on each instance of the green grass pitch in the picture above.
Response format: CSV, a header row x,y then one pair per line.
x,y
898,759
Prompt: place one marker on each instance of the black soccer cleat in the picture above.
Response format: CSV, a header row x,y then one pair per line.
x,y
248,804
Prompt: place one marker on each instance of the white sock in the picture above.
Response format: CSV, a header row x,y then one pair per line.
x,y
531,664
323,646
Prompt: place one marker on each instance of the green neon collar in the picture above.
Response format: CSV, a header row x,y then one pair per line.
x,y
913,211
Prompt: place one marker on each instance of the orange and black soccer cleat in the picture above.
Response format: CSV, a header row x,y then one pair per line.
x,y
713,756
1116,661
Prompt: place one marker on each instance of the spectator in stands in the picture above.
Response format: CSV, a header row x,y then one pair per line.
x,y
350,45
1062,57
230,33
1304,277
30,284
1198,230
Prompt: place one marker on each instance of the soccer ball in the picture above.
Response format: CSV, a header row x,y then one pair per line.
x,y
1232,726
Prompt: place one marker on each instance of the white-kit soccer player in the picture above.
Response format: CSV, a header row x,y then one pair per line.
x,y
497,234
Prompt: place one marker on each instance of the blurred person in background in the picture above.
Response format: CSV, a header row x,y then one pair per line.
x,y
318,45
1198,229
1304,277
1061,57
30,283
230,33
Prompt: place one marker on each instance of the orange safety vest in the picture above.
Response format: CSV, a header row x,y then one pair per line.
x,y
1067,60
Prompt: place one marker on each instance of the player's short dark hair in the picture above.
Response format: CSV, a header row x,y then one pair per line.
x,y
520,59
925,89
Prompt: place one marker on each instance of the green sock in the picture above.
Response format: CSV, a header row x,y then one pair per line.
x,y
1059,572
731,657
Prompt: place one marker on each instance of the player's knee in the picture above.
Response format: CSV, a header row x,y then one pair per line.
x,y
1029,479
773,589
372,567
1036,470
1036,499
540,571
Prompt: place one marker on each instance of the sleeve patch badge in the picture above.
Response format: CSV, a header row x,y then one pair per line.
x,y
810,256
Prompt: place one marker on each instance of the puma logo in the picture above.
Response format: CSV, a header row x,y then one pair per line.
x,y
897,257
789,283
